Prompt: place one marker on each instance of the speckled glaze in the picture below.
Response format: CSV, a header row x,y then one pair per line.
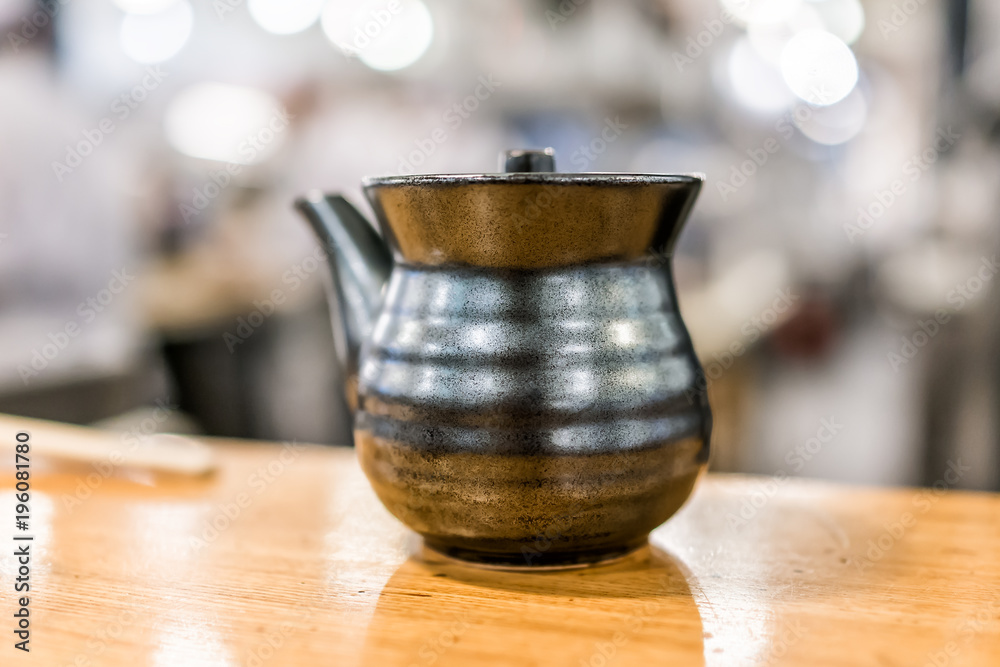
x,y
526,392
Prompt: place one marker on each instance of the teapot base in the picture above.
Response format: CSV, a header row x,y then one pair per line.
x,y
531,560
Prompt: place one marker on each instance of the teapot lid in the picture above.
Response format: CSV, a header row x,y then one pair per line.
x,y
530,166
530,216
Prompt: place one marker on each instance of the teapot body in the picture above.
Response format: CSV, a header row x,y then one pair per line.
x,y
532,417
524,389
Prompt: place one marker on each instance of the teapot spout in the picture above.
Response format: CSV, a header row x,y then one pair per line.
x,y
360,264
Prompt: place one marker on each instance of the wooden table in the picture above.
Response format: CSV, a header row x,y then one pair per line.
x,y
285,557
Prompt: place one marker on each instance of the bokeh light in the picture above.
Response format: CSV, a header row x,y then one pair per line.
x,y
770,39
837,123
285,17
385,35
754,82
144,6
156,37
226,123
843,18
819,67
746,12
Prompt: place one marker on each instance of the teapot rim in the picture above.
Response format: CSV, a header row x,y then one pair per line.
x,y
549,178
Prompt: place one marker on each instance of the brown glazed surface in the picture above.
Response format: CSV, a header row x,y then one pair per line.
x,y
529,395
529,221
531,510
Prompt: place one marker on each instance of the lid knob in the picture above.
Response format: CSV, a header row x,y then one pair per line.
x,y
521,160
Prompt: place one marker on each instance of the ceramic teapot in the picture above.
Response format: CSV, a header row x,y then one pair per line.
x,y
524,391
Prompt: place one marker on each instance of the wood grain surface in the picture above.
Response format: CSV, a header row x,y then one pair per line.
x,y
285,557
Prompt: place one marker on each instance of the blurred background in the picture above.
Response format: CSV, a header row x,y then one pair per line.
x,y
837,274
